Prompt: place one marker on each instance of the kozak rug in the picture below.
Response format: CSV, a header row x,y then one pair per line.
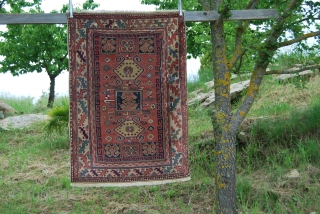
x,y
128,112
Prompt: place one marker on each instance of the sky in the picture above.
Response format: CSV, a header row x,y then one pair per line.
x,y
34,84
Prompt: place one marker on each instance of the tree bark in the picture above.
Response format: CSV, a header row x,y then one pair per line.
x,y
226,124
225,167
224,151
51,92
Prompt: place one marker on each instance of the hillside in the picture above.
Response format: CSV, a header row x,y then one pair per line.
x,y
278,163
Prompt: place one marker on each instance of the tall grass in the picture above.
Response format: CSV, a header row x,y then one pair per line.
x,y
298,124
28,105
289,58
19,103
59,119
34,171
198,82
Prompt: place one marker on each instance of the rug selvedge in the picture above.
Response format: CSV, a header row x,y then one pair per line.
x,y
128,114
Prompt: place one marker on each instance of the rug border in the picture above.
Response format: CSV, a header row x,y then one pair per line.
x,y
184,172
129,184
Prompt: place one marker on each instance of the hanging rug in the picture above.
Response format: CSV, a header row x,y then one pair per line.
x,y
128,112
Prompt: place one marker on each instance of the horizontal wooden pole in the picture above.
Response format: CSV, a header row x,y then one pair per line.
x,y
43,18
205,16
196,16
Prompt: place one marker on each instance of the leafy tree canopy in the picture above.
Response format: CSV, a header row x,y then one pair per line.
x,y
253,34
36,47
250,45
17,5
198,33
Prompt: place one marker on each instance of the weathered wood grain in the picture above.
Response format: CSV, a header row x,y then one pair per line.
x,y
194,16
45,18
202,16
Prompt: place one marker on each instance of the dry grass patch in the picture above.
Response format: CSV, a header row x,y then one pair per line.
x,y
276,99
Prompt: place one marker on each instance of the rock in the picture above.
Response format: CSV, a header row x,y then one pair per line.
x,y
235,91
206,99
210,84
293,174
298,65
1,115
22,121
305,73
285,77
6,109
199,98
245,75
242,137
237,88
195,93
313,212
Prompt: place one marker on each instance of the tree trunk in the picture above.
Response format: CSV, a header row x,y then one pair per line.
x,y
51,92
225,123
224,151
225,173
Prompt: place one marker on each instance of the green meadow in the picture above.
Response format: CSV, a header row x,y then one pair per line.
x,y
283,134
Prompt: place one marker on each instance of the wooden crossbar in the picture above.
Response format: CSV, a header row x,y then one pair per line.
x,y
196,16
203,16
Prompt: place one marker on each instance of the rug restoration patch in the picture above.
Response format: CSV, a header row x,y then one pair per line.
x,y
128,112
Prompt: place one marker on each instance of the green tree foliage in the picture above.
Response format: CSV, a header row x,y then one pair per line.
x,y
230,43
198,33
16,5
36,47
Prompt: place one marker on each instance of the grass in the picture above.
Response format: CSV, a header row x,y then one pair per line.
x,y
198,82
20,104
35,177
291,57
27,105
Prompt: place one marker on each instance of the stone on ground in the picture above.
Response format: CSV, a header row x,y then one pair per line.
x,y
285,77
293,174
6,110
242,137
206,99
21,121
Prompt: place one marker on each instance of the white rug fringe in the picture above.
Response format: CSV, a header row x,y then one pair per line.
x,y
128,184
127,11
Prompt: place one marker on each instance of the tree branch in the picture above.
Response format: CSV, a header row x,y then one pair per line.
x,y
240,63
300,38
302,20
251,4
224,12
62,58
238,52
205,4
265,55
2,3
292,71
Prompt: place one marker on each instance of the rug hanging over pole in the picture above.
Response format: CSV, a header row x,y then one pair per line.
x,y
128,112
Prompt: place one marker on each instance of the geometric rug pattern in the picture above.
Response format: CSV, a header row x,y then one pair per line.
x,y
128,112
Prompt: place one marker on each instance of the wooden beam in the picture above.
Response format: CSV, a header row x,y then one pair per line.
x,y
203,16
196,16
44,18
